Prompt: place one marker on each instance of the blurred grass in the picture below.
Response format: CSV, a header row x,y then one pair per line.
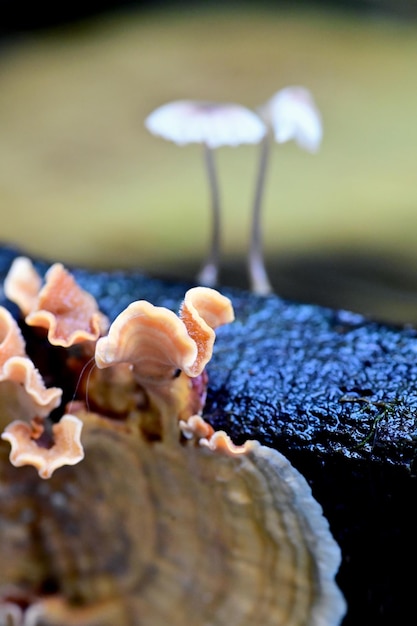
x,y
83,182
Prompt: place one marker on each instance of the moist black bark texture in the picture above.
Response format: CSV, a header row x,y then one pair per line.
x,y
335,393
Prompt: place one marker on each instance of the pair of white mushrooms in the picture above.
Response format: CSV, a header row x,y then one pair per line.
x,y
290,114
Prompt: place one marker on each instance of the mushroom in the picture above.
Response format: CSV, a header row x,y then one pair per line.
x,y
213,125
290,114
69,313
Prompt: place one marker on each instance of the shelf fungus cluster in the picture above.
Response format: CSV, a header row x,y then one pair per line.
x,y
119,503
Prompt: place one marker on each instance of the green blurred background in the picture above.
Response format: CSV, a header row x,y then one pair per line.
x,y
83,182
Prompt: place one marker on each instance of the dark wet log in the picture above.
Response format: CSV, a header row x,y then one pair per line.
x,y
336,394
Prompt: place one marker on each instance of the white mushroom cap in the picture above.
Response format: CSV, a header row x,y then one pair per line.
x,y
212,123
292,114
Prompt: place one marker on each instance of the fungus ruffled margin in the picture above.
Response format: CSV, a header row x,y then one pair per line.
x,y
237,534
70,316
68,313
66,448
19,376
166,351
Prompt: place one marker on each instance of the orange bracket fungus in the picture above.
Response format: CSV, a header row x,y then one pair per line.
x,y
213,125
68,313
167,351
290,114
23,387
66,449
165,521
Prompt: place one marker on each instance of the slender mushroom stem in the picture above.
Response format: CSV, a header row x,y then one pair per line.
x,y
209,273
257,273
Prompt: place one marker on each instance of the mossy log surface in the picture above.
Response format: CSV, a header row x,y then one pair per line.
x,y
334,392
